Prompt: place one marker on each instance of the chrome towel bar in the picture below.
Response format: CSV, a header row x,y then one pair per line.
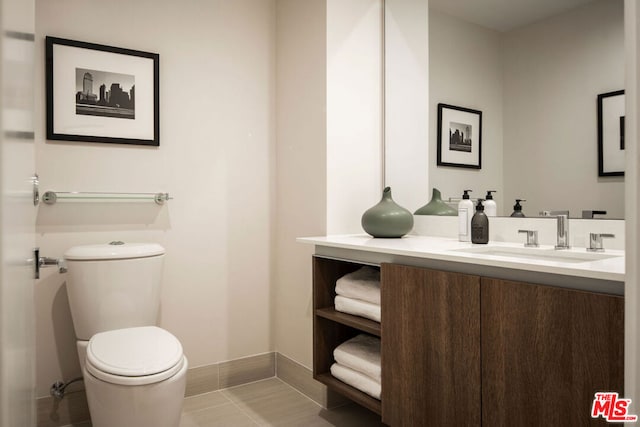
x,y
51,197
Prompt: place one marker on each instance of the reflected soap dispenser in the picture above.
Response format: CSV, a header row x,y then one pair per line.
x,y
479,225
465,212
490,207
517,209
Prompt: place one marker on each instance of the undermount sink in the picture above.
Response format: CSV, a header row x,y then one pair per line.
x,y
540,254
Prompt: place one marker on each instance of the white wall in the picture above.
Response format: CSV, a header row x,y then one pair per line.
x,y
354,181
407,101
554,71
329,116
216,157
465,70
301,204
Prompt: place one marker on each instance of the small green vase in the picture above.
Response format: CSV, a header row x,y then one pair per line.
x,y
387,218
436,206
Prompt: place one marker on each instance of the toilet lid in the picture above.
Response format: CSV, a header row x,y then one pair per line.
x,y
134,352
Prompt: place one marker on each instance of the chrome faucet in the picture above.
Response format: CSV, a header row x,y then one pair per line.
x,y
563,232
595,241
532,238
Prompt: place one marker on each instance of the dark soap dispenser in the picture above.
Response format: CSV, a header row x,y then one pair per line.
x,y
517,208
480,225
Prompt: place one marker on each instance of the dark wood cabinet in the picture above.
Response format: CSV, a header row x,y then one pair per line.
x,y
430,347
465,350
546,351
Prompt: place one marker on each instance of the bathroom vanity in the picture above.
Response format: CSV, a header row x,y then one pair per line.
x,y
475,334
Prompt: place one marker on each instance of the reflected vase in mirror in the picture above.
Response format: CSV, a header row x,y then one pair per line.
x,y
387,219
436,206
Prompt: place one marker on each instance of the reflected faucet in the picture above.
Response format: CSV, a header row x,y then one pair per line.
x,y
592,214
554,213
563,232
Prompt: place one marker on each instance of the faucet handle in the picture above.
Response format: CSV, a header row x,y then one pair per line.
x,y
595,241
532,238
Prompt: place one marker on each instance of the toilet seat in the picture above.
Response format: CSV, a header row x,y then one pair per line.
x,y
134,356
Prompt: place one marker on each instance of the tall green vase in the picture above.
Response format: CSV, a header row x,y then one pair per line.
x,y
436,206
387,218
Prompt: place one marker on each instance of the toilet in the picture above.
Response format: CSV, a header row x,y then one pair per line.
x,y
134,371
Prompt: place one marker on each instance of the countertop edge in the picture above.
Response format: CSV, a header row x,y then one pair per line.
x,y
444,251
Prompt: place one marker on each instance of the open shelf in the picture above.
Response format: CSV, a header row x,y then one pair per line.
x,y
365,325
350,392
331,328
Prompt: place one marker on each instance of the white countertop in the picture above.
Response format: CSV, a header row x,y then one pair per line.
x,y
446,249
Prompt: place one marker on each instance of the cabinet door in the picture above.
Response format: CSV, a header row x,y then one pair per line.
x,y
430,347
546,351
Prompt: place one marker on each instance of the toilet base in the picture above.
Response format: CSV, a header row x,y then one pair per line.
x,y
150,405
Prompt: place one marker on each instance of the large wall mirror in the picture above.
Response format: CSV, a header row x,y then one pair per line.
x,y
534,68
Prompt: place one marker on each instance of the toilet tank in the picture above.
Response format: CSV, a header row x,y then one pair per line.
x,y
113,286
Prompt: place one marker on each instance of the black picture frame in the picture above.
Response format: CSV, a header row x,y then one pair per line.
x,y
125,108
459,137
611,145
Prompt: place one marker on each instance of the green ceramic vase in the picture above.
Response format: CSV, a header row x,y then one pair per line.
x,y
436,206
387,218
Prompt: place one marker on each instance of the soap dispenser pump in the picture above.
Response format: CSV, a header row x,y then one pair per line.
x,y
490,207
465,212
480,225
517,209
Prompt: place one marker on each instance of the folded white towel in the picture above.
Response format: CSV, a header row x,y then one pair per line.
x,y
357,380
362,284
362,354
357,307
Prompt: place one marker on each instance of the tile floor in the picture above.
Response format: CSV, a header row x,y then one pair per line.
x,y
269,402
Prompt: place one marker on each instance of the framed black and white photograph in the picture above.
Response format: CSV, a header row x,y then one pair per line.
x,y
98,93
459,137
611,113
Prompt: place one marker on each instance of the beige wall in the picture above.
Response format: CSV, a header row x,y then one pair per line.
x,y
216,157
554,71
301,204
632,208
536,87
465,70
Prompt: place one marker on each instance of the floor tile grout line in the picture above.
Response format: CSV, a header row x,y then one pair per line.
x,y
239,407
207,408
347,403
279,380
246,414
301,393
228,400
256,422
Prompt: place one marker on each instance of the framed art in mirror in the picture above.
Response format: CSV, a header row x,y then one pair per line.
x,y
459,137
611,113
98,93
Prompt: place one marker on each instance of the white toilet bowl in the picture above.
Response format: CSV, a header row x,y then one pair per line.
x,y
135,377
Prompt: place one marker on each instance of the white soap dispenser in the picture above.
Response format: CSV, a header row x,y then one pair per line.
x,y
490,207
465,212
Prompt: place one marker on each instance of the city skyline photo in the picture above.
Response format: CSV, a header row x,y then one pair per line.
x,y
106,94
